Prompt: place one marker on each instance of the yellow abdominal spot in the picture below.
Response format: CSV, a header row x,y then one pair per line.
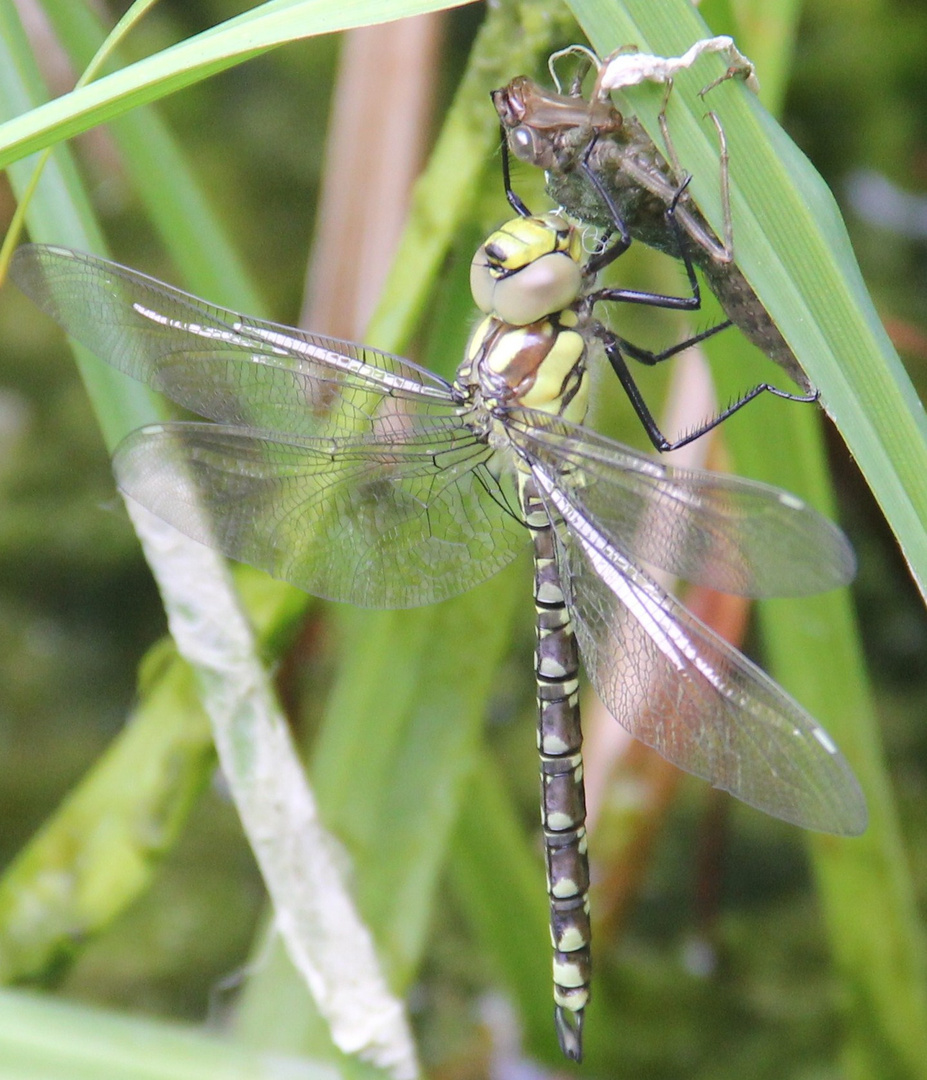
x,y
572,999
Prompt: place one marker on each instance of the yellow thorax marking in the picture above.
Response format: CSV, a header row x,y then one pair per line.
x,y
541,364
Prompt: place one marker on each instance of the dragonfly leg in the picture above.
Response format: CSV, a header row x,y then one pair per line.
x,y
513,199
651,359
739,68
584,62
634,296
617,247
616,347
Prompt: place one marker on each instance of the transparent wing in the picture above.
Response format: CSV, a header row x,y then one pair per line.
x,y
731,534
336,467
217,363
373,521
677,686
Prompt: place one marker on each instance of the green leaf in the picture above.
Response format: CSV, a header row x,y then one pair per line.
x,y
41,1037
242,38
793,249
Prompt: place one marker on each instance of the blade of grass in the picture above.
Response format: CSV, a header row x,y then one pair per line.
x,y
250,732
45,1038
180,210
62,212
300,862
872,872
793,249
123,27
164,753
882,960
242,38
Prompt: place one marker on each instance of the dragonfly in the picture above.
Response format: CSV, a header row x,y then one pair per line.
x,y
359,476
604,168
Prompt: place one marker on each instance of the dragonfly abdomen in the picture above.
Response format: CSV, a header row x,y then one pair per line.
x,y
563,799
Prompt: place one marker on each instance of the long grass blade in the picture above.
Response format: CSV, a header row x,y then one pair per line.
x,y
794,250
239,39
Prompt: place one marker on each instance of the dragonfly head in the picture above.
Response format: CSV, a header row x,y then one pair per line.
x,y
527,269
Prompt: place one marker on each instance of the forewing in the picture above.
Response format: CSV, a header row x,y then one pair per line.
x,y
677,686
735,535
225,366
371,522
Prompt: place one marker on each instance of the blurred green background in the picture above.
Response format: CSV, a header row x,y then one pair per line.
x,y
78,609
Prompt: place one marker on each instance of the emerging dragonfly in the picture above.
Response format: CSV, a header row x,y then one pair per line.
x,y
604,169
361,477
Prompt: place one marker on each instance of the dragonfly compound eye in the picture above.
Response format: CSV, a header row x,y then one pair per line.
x,y
527,269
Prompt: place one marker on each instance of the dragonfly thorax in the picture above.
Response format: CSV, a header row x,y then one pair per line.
x,y
528,268
539,366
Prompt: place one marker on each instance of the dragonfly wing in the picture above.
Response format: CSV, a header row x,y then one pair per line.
x,y
225,366
680,688
370,522
731,534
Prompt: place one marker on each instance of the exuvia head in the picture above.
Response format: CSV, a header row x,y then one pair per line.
x,y
531,147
